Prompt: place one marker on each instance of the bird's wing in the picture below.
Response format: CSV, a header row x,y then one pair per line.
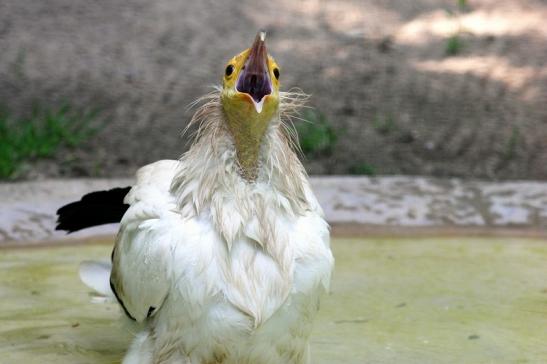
x,y
96,275
95,208
139,277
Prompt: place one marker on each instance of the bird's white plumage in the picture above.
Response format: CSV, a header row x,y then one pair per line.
x,y
218,269
96,275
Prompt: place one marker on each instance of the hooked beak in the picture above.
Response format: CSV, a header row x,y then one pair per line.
x,y
254,79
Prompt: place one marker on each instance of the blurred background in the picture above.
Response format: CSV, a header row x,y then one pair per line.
x,y
424,87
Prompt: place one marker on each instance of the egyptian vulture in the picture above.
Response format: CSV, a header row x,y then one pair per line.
x,y
221,256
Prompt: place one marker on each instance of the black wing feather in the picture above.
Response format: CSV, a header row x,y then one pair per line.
x,y
95,208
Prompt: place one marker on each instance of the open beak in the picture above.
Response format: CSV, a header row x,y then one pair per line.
x,y
254,78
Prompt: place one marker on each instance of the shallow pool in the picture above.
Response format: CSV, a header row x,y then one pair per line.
x,y
445,300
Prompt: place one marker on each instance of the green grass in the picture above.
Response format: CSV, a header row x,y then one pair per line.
x,y
384,123
510,149
363,169
315,134
41,135
454,45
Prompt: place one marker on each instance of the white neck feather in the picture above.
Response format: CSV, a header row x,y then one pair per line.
x,y
209,178
209,184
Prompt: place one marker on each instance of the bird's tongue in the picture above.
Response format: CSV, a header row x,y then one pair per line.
x,y
256,85
254,79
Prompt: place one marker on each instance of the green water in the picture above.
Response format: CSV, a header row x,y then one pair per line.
x,y
393,301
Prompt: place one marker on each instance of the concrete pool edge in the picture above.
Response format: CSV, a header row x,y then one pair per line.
x,y
349,230
338,231
389,205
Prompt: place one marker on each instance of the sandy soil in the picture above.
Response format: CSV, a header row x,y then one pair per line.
x,y
376,68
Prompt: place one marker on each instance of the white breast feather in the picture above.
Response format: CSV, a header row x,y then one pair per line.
x,y
219,258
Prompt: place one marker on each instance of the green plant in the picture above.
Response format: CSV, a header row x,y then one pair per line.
x,y
384,124
511,145
18,65
40,135
454,43
363,169
315,134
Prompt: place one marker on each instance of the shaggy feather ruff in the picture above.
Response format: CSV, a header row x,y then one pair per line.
x,y
210,167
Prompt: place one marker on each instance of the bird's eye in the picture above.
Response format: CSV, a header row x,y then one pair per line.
x,y
276,73
229,70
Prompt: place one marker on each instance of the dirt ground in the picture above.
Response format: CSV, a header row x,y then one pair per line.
x,y
377,69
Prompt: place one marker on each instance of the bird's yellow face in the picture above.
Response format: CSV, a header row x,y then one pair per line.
x,y
250,100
